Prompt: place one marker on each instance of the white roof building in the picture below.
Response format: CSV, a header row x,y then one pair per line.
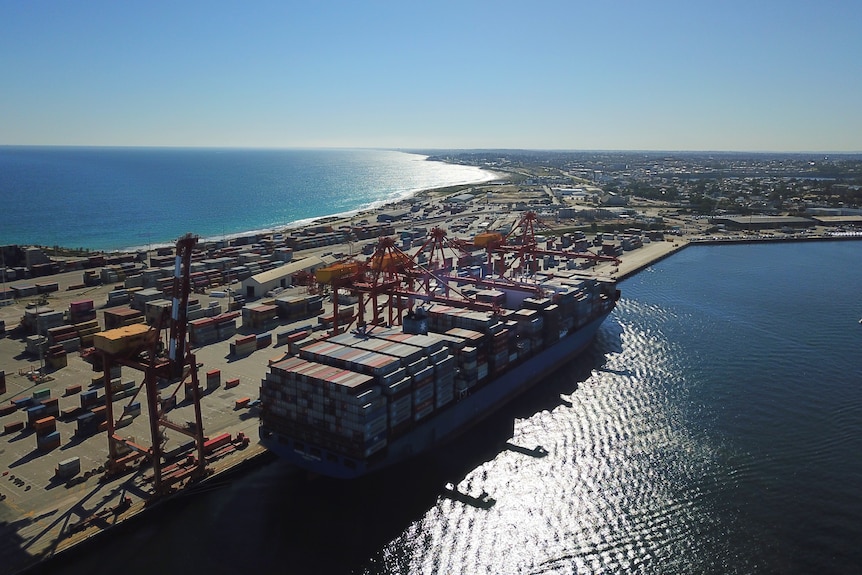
x,y
257,285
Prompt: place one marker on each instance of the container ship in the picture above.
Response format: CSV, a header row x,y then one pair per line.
x,y
456,346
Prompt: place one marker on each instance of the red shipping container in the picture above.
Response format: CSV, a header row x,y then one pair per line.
x,y
48,424
216,442
13,427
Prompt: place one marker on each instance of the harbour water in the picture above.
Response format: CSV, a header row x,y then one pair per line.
x,y
714,427
116,198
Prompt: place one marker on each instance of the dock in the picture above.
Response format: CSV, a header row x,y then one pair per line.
x,y
54,491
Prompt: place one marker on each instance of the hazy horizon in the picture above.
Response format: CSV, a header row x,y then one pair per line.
x,y
429,151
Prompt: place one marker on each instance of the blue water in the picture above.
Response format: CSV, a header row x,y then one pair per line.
x,y
715,426
115,198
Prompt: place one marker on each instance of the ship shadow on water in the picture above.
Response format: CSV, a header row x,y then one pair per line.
x,y
374,511
276,519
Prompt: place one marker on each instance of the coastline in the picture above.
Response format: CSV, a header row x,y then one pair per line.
x,y
118,200
54,541
338,218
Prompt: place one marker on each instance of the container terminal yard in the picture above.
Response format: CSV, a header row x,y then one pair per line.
x,y
123,381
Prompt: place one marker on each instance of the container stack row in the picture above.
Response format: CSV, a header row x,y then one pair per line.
x,y
439,352
119,296
117,272
352,393
530,328
87,332
158,311
213,378
243,345
65,336
39,319
468,350
581,297
372,231
259,316
442,318
196,311
121,316
82,311
47,436
140,298
292,338
209,330
329,407
56,357
292,308
297,241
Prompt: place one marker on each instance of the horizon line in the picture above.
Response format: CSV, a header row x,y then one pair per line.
x,y
413,149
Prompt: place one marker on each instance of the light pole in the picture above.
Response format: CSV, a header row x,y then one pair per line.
x,y
3,271
39,344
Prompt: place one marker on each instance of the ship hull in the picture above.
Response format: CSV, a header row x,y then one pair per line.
x,y
448,423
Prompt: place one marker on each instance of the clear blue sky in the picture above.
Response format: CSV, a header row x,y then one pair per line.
x,y
607,74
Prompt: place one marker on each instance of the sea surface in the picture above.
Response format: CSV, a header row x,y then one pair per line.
x,y
117,198
715,426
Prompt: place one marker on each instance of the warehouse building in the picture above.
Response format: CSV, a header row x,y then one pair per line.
x,y
258,285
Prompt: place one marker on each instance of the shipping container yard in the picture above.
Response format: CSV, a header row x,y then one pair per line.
x,y
122,384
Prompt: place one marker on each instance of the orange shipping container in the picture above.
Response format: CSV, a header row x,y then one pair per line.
x,y
484,239
46,423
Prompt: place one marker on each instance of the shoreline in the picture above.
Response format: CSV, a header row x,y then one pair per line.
x,y
336,218
49,547
50,538
393,195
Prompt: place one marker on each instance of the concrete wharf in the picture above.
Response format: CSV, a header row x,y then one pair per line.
x,y
42,515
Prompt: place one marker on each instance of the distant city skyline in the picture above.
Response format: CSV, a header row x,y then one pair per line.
x,y
668,75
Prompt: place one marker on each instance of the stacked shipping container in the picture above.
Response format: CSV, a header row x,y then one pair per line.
x,y
351,393
209,330
82,311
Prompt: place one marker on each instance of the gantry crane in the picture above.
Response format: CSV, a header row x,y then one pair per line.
x,y
141,348
392,281
522,244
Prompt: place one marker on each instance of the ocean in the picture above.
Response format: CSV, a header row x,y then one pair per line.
x,y
715,426
120,198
